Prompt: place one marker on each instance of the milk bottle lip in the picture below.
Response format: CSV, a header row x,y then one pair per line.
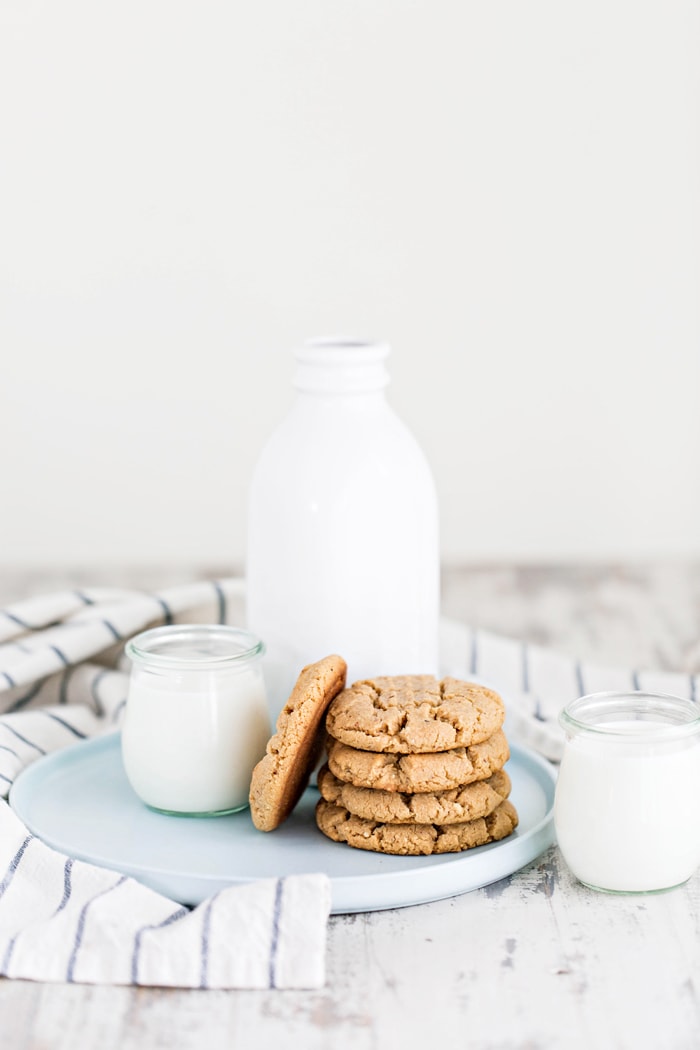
x,y
632,715
340,349
340,365
195,647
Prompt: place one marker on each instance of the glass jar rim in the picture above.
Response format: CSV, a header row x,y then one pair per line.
x,y
623,703
158,646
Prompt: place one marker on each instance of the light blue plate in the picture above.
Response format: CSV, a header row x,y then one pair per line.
x,y
79,801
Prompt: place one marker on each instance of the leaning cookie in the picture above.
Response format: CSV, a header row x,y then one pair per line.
x,y
414,839
395,807
441,771
414,714
282,774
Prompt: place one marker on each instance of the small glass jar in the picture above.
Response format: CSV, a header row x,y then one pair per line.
x,y
196,718
627,802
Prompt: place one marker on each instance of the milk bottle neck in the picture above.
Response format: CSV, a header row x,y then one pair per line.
x,y
329,368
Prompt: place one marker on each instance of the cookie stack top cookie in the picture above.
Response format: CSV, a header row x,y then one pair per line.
x,y
414,714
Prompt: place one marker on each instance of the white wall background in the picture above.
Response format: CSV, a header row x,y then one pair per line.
x,y
508,191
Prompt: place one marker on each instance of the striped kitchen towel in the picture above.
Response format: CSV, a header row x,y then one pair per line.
x,y
60,680
65,920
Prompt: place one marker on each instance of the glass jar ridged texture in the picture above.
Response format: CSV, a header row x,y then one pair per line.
x,y
196,718
627,803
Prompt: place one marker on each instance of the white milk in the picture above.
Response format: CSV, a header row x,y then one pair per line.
x,y
627,808
192,734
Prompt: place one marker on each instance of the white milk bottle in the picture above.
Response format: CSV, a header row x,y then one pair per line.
x,y
343,548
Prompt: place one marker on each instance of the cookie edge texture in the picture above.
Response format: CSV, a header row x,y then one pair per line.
x,y
456,805
337,824
280,777
418,773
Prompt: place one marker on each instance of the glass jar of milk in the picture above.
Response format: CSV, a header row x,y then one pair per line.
x,y
196,719
343,548
627,803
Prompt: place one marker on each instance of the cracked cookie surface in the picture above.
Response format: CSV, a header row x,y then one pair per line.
x,y
280,777
395,807
440,771
414,839
414,714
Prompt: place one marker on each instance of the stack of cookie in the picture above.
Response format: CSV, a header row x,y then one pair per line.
x,y
415,766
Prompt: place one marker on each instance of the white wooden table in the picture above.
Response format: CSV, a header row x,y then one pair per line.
x,y
535,961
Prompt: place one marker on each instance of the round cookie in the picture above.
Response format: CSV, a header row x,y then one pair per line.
x,y
414,839
414,714
415,774
394,807
282,774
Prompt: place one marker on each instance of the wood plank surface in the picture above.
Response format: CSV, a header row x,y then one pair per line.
x,y
534,961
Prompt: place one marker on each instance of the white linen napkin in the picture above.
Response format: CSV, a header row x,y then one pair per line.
x,y
65,920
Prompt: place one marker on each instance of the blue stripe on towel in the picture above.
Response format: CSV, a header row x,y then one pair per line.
x,y
579,679
28,626
24,739
221,598
22,701
80,929
4,966
167,611
63,688
61,655
206,926
99,707
62,721
113,630
179,914
14,864
67,885
274,941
